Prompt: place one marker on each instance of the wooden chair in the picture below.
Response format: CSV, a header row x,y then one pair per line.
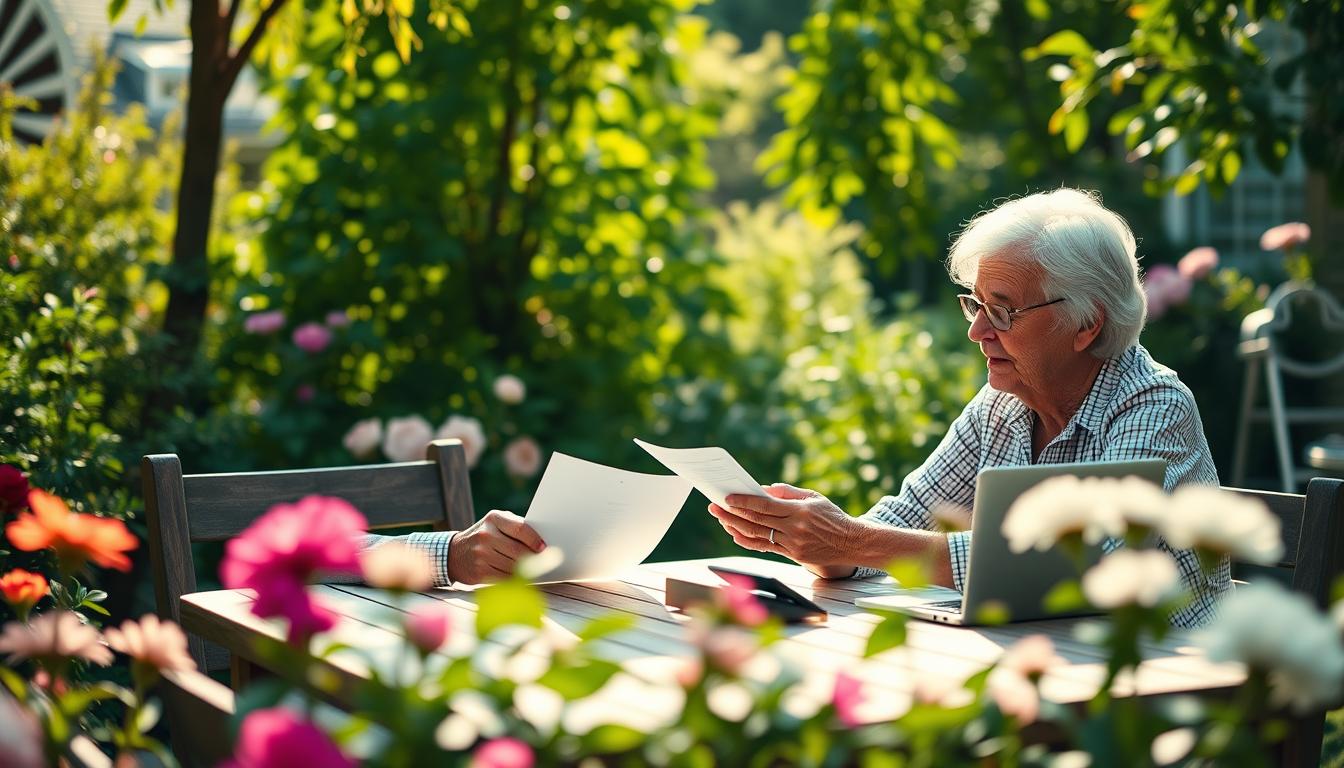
x,y
1313,557
200,712
182,509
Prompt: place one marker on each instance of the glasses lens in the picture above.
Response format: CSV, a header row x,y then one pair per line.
x,y
999,317
969,306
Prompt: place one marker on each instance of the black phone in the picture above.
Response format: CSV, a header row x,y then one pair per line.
x,y
778,598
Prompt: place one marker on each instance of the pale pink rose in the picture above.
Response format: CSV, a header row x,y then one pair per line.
x,y
262,323
522,457
847,698
159,644
1014,694
430,627
1031,656
53,637
337,319
742,605
505,752
406,438
305,393
281,738
691,671
312,337
1165,287
1197,263
393,565
363,438
281,550
20,736
469,431
727,649
510,389
1285,236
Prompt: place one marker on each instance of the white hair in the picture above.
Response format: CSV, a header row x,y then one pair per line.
x,y
1085,250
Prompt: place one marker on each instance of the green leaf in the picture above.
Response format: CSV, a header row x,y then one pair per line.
x,y
612,739
115,9
888,634
1230,166
1065,597
505,603
14,683
603,626
148,715
576,682
1075,129
96,608
1065,42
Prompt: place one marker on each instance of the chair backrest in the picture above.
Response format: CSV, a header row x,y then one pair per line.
x,y
1313,557
201,718
182,509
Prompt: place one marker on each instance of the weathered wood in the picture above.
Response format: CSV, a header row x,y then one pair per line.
x,y
202,710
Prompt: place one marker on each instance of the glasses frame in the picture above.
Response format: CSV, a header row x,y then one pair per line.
x,y
971,306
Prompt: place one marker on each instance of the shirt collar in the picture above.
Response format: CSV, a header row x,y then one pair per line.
x,y
1093,409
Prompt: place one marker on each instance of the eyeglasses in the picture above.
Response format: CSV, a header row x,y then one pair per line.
x,y
1000,317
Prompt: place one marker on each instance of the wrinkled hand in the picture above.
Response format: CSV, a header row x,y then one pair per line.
x,y
809,528
490,549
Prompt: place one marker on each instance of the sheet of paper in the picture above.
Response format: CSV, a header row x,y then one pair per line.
x,y
604,520
712,470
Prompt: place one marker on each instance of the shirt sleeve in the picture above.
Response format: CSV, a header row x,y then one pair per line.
x,y
1162,422
946,478
434,544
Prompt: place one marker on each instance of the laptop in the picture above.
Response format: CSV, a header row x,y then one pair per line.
x,y
1002,585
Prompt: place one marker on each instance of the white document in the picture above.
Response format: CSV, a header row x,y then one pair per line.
x,y
604,520
712,471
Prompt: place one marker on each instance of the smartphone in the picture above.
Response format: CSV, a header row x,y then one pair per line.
x,y
778,598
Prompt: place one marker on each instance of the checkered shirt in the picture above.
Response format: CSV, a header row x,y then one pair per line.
x,y
1137,409
432,543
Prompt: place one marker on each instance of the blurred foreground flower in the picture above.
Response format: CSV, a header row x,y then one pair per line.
x,y
406,438
158,644
22,589
742,605
510,389
20,736
393,565
1285,236
1283,635
311,337
1131,577
469,431
76,538
1212,519
279,738
428,628
1061,506
363,438
52,638
13,490
262,323
522,457
337,318
847,697
503,753
278,553
1198,263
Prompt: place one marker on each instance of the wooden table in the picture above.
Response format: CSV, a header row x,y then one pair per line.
x,y
935,656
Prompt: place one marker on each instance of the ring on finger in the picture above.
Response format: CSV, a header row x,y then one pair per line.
x,y
772,535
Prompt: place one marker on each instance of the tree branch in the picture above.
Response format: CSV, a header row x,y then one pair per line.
x,y
240,56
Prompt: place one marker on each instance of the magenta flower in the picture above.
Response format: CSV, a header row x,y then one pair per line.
x,y
741,603
13,490
1197,263
281,550
312,337
305,393
1285,236
847,698
279,738
337,319
503,753
429,628
263,323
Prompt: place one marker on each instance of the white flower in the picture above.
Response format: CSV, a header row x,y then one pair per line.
x,y
363,438
1269,628
160,644
1129,577
1060,506
407,438
522,457
1031,656
510,389
1226,523
1174,745
469,431
393,565
1014,694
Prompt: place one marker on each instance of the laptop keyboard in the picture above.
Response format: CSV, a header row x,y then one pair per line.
x,y
948,606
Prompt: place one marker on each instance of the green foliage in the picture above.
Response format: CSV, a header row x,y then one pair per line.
x,y
81,235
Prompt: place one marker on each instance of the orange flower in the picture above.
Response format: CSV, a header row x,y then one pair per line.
x,y
76,538
22,589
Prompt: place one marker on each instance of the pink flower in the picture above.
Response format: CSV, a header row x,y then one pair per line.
x,y
263,323
160,644
503,753
522,457
1164,287
13,490
393,565
53,637
1031,656
469,431
1285,236
510,389
278,553
363,438
846,698
20,735
305,393
312,337
406,438
1197,263
1014,695
430,627
279,738
337,319
742,605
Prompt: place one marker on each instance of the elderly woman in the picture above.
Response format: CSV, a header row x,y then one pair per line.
x,y
1056,307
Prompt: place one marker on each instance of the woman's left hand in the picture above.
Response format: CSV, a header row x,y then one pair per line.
x,y
808,528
